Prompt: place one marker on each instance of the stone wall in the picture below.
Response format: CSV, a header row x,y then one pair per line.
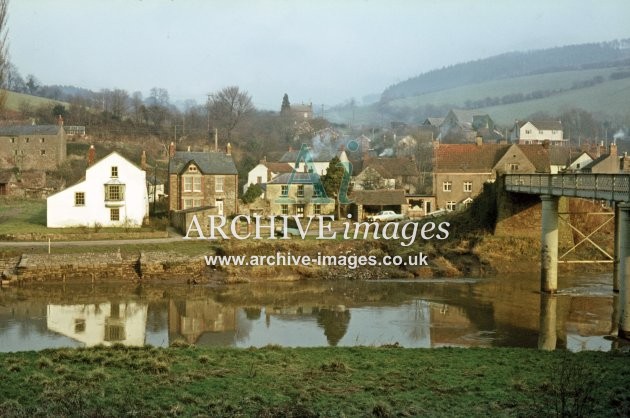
x,y
100,267
181,219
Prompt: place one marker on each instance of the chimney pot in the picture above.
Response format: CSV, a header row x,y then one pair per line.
x,y
91,156
228,149
171,150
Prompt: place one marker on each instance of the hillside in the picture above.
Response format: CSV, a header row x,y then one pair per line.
x,y
513,64
15,100
562,90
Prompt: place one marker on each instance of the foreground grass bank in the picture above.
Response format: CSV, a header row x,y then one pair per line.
x,y
189,381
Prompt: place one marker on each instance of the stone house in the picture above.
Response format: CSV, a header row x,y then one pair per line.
x,y
320,159
462,125
201,179
388,173
113,193
537,132
460,170
609,163
32,147
299,195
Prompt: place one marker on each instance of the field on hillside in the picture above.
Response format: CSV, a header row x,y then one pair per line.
x,y
14,100
608,98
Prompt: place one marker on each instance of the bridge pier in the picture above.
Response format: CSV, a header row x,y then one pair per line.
x,y
616,253
623,272
549,244
547,333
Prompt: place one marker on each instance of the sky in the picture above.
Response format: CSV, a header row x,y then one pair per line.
x,y
319,51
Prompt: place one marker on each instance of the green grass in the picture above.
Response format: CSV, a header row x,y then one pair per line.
x,y
310,382
14,100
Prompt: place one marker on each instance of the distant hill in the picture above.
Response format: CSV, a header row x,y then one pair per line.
x,y
593,77
514,64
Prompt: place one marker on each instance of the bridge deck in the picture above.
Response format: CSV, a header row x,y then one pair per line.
x,y
611,187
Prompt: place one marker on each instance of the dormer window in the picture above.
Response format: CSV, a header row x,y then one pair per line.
x,y
114,171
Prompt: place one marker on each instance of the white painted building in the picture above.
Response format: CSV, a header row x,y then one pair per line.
x,y
537,132
580,162
264,172
114,193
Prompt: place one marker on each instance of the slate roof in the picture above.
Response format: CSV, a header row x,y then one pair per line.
x,y
17,130
208,162
392,167
467,158
379,197
561,155
433,121
298,178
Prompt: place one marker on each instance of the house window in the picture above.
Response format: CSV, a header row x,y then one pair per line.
x,y
42,152
467,203
13,140
188,183
450,206
192,169
114,192
540,132
528,131
285,209
114,171
197,184
317,209
299,210
300,190
197,203
513,167
79,199
284,190
114,214
468,186
259,180
218,184
188,203
28,140
41,140
447,186
553,132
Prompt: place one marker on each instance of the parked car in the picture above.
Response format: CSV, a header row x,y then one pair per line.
x,y
291,231
386,216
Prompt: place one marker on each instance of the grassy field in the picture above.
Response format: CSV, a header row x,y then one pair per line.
x,y
284,382
14,100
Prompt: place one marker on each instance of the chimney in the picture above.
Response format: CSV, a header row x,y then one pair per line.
x,y
228,149
143,161
91,156
188,149
216,140
613,149
479,140
59,120
171,150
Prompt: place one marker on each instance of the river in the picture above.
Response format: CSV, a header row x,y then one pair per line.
x,y
498,312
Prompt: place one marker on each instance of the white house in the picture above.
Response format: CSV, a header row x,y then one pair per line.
x,y
114,193
319,159
265,171
537,132
580,162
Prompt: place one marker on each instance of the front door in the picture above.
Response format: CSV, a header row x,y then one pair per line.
x,y
219,204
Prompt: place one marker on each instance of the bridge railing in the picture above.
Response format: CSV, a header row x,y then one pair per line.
x,y
612,187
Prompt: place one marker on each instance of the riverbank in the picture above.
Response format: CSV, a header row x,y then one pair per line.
x,y
478,255
273,381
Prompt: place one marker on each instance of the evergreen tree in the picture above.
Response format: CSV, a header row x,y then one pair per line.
x,y
286,106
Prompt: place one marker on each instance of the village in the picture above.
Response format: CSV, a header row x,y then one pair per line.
x,y
442,170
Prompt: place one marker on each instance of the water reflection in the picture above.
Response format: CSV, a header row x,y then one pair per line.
x,y
495,312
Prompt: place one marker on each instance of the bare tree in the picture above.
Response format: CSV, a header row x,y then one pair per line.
x,y
228,107
4,60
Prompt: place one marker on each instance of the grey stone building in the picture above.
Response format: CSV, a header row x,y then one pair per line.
x,y
32,147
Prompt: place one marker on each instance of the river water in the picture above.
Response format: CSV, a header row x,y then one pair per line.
x,y
499,312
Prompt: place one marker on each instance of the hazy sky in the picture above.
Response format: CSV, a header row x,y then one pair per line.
x,y
322,51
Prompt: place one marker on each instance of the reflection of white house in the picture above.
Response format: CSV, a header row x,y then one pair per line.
x,y
102,323
114,193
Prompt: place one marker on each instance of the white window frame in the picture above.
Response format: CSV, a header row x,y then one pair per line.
x,y
219,183
468,186
447,186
